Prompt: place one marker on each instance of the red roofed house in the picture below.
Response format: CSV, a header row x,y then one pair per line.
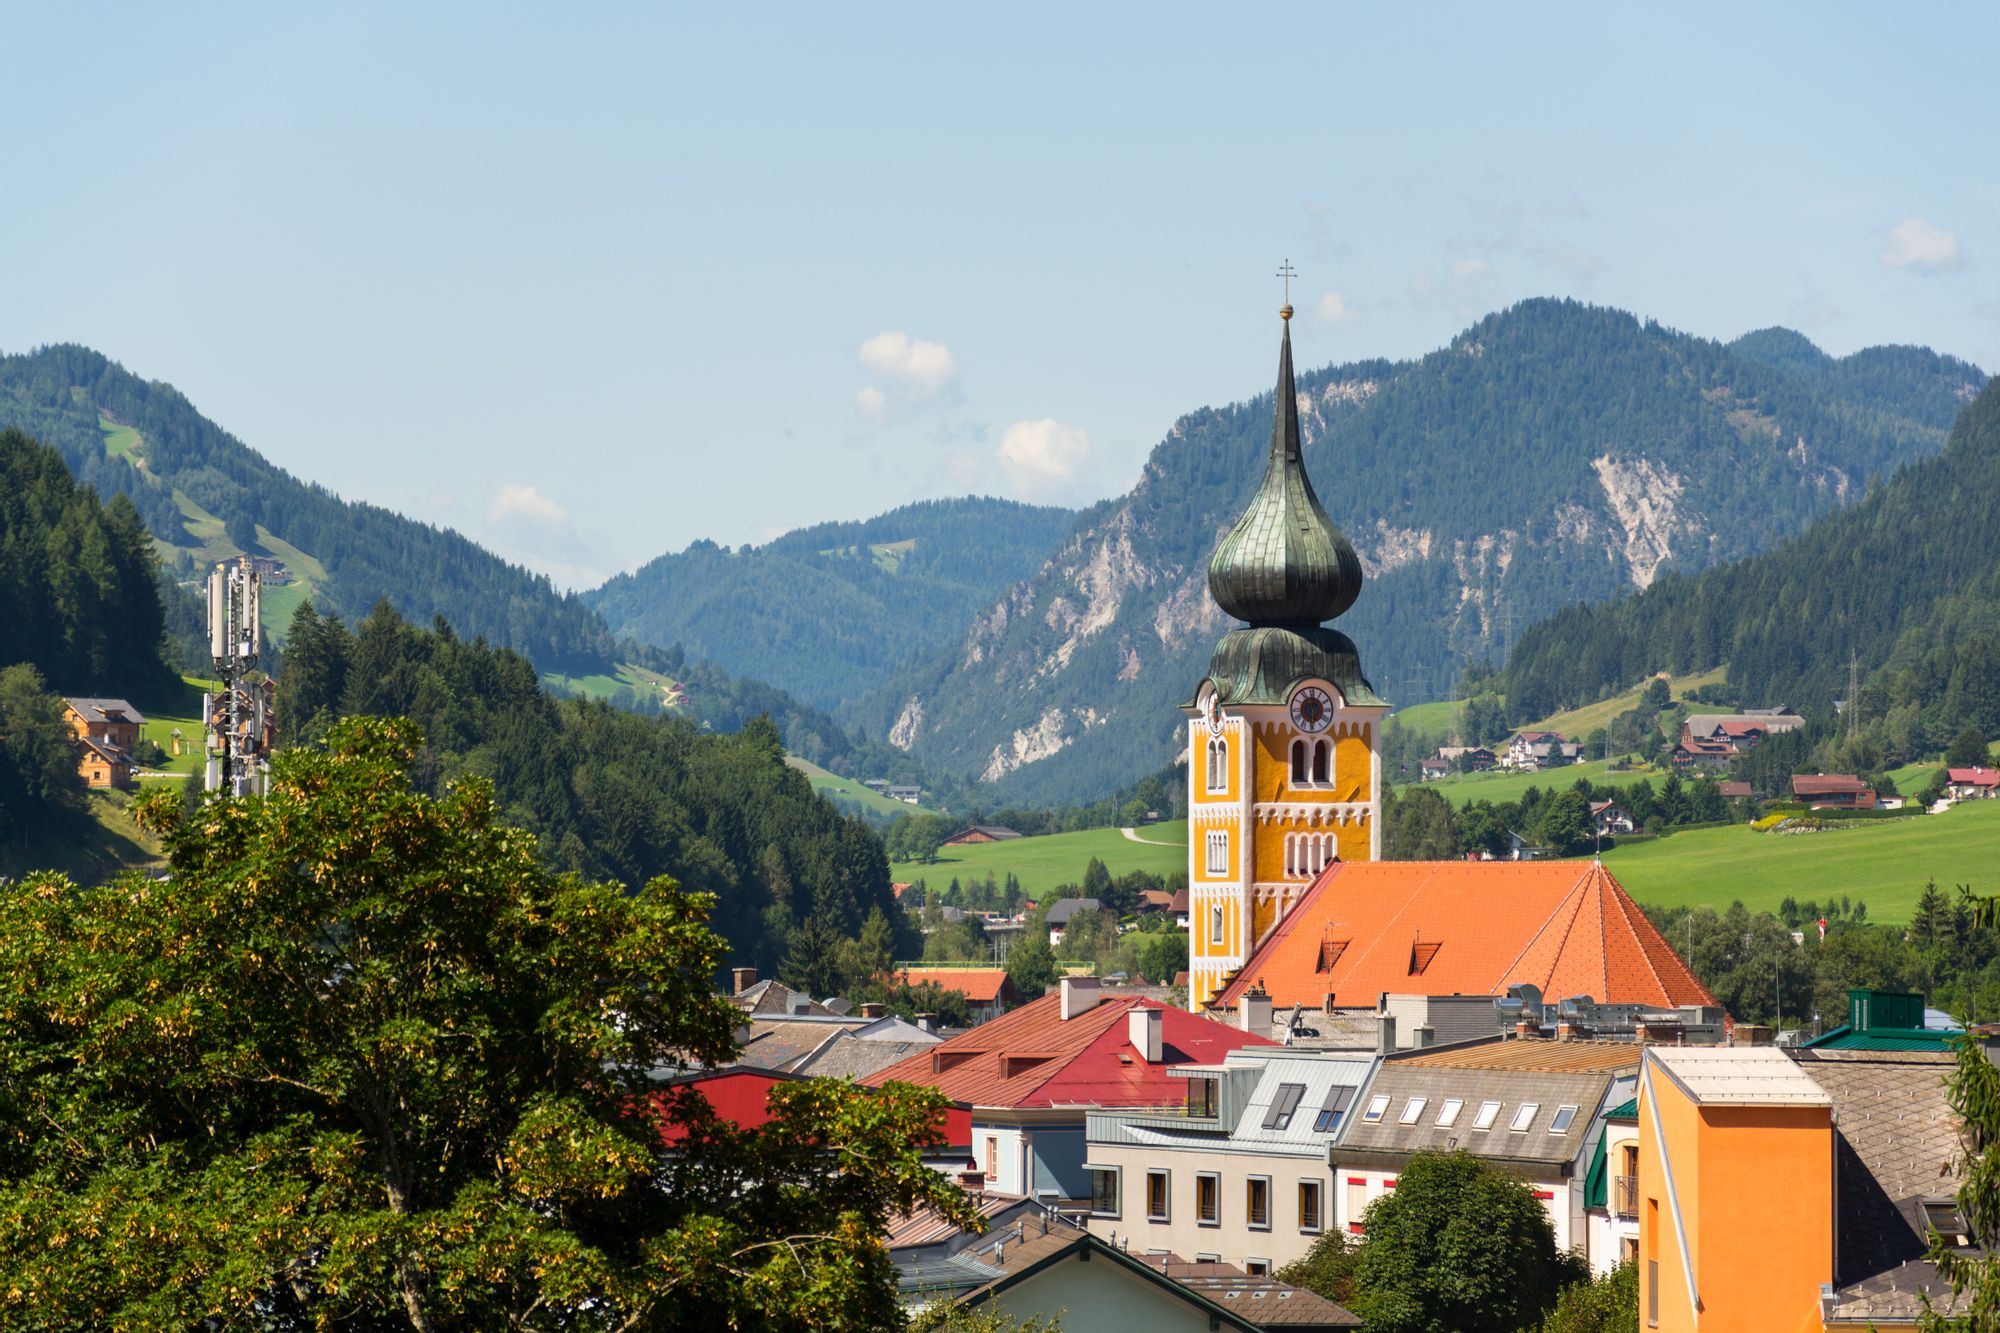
x,y
1032,1075
1734,791
1370,928
988,991
741,1096
1835,791
1973,784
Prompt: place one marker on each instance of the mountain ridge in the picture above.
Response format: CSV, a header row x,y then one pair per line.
x,y
1632,450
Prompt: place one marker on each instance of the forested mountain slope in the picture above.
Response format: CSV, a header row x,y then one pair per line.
x,y
828,612
1554,453
1905,585
208,496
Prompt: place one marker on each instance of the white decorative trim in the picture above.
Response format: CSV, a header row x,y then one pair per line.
x,y
1313,812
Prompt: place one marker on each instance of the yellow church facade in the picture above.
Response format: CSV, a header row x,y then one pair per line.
x,y
1284,773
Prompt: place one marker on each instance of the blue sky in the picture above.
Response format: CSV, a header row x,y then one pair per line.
x,y
592,282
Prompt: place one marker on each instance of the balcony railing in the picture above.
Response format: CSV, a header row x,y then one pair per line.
x,y
1625,1195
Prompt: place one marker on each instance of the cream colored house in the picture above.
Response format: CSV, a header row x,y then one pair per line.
x,y
1239,1172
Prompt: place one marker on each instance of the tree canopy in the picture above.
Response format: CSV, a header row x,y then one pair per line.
x,y
365,1062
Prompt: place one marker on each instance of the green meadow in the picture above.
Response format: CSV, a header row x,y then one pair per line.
x,y
1043,863
1885,862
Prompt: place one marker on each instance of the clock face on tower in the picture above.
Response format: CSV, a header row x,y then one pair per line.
x,y
1312,709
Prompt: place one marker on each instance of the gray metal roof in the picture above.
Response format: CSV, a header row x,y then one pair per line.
x,y
97,710
1316,1074
1401,1083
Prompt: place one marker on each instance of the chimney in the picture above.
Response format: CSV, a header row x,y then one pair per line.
x,y
1253,1011
927,1022
742,979
1385,1033
1079,995
873,1009
1425,1035
972,1180
1568,1031
1144,1024
1527,1027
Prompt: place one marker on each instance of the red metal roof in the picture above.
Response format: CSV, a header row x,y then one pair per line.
x,y
1476,927
1035,1057
1734,789
1973,777
741,1097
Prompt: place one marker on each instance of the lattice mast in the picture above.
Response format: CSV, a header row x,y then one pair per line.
x,y
239,717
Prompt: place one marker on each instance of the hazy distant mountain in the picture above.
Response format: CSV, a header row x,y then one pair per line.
x,y
1552,454
829,612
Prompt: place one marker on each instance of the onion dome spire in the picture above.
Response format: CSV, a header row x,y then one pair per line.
x,y
1285,563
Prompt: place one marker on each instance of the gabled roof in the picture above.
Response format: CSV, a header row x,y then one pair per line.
x,y
1536,737
1063,909
1973,777
105,710
1564,926
1033,1057
979,985
1826,784
1733,790
997,832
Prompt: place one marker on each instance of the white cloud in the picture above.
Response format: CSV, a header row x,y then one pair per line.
x,y
1334,307
921,367
1468,268
908,372
518,502
1918,244
1043,456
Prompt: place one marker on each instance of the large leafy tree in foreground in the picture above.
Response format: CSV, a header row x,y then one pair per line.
x,y
363,1063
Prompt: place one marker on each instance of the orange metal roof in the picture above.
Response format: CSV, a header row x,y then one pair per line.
x,y
1034,1057
1564,926
980,985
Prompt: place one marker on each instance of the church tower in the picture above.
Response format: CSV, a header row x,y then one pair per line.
x,y
1284,773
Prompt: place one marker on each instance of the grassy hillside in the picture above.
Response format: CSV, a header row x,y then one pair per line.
x,y
1433,719
1043,863
90,847
606,685
1576,723
851,791
1886,863
1465,788
182,711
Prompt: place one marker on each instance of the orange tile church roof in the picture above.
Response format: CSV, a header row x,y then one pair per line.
x,y
1364,929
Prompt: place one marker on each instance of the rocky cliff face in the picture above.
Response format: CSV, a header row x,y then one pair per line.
x,y
1554,453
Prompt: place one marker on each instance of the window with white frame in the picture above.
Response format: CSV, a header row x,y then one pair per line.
x,y
1299,763
1158,1190
1376,1106
1309,1206
1488,1113
1413,1110
1216,934
1208,1199
1561,1124
1448,1113
1218,764
1524,1117
1104,1191
1257,1203
1218,852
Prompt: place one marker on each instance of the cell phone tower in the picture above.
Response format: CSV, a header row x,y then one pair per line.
x,y
239,718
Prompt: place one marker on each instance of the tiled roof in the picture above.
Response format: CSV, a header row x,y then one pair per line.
x,y
1422,1091
777,1044
1034,1057
854,1057
1826,784
1565,926
1896,1140
1272,1303
1732,790
1973,777
980,985
927,1226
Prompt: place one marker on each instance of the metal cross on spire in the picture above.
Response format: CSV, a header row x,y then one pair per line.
x,y
1287,272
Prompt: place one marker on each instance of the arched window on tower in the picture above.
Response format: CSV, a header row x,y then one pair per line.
x,y
1298,763
1218,764
1322,761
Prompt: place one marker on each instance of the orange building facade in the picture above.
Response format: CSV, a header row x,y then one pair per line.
x,y
1736,1171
